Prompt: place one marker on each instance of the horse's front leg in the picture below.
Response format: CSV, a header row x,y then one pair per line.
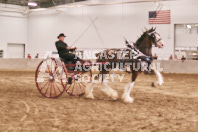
x,y
127,91
160,79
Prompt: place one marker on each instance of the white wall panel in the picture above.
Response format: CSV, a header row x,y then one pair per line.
x,y
13,27
15,50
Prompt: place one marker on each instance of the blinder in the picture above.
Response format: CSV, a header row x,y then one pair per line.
x,y
152,35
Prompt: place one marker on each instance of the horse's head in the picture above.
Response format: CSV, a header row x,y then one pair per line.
x,y
155,38
148,38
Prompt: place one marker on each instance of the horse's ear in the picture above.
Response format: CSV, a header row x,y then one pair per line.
x,y
154,28
126,41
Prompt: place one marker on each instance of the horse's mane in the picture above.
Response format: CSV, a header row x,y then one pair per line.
x,y
139,41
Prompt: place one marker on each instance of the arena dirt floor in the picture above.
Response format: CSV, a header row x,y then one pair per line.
x,y
172,107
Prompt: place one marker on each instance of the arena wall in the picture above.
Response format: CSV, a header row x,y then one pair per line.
x,y
19,64
166,66
188,66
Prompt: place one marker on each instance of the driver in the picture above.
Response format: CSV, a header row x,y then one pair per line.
x,y
63,50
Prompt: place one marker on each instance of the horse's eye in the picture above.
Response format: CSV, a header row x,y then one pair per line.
x,y
152,35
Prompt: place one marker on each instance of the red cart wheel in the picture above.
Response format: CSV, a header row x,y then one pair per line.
x,y
51,78
77,84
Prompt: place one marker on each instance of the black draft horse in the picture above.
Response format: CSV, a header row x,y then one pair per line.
x,y
144,45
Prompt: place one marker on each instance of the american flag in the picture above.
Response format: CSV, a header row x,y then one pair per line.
x,y
160,17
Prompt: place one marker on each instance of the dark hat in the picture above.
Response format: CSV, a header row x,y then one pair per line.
x,y
61,35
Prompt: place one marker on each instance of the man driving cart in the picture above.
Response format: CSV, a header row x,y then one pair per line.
x,y
64,50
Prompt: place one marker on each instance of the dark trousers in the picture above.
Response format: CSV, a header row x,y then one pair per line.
x,y
70,57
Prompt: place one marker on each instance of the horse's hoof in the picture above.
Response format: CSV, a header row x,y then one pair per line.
x,y
114,95
90,96
160,83
128,100
110,93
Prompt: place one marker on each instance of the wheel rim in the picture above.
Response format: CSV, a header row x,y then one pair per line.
x,y
79,81
51,78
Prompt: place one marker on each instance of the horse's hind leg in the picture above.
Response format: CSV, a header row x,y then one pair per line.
x,y
108,90
128,87
89,88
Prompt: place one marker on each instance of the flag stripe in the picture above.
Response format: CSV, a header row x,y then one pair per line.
x,y
163,14
161,17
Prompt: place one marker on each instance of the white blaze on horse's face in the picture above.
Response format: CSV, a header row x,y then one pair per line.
x,y
159,41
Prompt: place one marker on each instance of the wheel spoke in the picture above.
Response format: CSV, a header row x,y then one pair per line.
x,y
44,73
80,87
48,67
58,88
47,89
59,77
54,65
54,90
73,88
68,87
50,90
44,86
82,84
54,72
45,79
41,82
51,63
76,89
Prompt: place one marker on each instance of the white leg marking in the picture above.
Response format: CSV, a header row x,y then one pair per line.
x,y
126,95
112,76
89,90
160,79
108,90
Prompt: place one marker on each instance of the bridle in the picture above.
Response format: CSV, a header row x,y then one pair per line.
x,y
152,34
